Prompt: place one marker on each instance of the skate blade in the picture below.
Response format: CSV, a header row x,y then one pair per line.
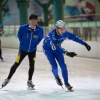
x,y
30,88
62,87
70,90
1,88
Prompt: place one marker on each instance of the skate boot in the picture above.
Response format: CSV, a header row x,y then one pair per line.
x,y
68,86
1,59
5,82
30,85
59,82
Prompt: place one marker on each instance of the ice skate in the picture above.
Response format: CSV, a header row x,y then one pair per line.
x,y
68,86
1,59
30,85
5,82
59,82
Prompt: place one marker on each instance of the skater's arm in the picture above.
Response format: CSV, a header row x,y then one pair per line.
x,y
77,39
19,35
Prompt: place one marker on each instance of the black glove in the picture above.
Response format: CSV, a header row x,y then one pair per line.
x,y
87,46
71,54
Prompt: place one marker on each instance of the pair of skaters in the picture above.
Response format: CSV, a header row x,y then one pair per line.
x,y
30,35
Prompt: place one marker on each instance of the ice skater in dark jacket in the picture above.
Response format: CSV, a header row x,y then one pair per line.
x,y
29,35
54,52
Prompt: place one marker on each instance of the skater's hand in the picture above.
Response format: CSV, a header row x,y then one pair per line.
x,y
87,46
70,54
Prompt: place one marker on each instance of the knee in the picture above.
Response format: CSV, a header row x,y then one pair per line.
x,y
54,69
32,66
64,67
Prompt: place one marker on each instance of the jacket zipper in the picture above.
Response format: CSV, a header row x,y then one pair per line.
x,y
30,42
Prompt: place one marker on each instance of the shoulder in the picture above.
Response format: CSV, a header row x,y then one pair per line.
x,y
52,31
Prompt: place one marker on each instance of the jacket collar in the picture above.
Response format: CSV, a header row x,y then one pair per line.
x,y
35,28
57,32
32,28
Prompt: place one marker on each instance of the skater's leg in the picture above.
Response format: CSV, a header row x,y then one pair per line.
x,y
63,66
19,59
51,58
32,57
0,49
1,52
60,59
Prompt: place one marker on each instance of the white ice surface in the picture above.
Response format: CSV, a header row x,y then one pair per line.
x,y
84,76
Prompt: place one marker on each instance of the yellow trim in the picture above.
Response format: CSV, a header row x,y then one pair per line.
x,y
17,59
34,58
53,46
65,53
34,36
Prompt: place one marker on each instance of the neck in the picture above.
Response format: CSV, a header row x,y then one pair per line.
x,y
32,27
57,32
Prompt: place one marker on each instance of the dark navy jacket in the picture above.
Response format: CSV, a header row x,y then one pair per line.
x,y
54,40
28,39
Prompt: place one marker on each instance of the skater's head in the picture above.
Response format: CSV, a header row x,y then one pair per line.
x,y
60,26
33,18
1,28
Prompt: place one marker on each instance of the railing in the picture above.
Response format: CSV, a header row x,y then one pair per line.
x,y
87,33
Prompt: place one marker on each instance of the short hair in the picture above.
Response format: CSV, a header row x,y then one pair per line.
x,y
33,16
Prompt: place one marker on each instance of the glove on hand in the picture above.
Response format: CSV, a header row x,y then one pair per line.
x,y
71,54
87,46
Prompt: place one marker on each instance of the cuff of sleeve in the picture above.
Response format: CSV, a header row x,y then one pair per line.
x,y
65,53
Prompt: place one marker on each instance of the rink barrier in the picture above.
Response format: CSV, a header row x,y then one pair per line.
x,y
86,33
10,40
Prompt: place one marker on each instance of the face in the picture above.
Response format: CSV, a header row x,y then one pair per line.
x,y
61,30
33,22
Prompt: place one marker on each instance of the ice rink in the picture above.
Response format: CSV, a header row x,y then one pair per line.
x,y
84,76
